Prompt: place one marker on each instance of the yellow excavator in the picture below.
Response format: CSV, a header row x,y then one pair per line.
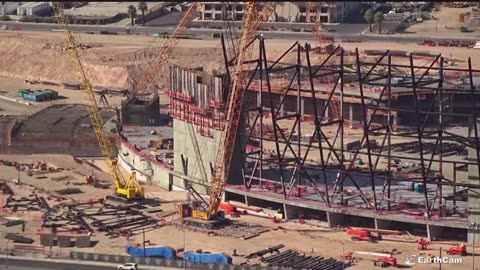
x,y
128,188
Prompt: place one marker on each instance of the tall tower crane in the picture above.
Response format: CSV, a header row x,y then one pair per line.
x,y
223,161
128,188
252,21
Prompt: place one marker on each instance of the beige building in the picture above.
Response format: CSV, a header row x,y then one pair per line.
x,y
222,11
325,12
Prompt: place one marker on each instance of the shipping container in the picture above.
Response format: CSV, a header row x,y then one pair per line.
x,y
38,95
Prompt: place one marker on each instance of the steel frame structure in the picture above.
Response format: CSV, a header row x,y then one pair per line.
x,y
291,154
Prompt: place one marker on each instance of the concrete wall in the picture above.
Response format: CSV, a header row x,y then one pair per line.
x,y
142,113
185,152
147,170
202,88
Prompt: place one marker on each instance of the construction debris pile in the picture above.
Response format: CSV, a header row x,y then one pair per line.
x,y
112,217
36,168
448,149
235,229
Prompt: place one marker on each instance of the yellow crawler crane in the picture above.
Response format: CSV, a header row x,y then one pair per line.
x,y
125,188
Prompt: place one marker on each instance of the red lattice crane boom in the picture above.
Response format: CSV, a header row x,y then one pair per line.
x,y
166,49
234,103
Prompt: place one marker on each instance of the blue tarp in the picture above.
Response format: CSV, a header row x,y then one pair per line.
x,y
207,258
165,252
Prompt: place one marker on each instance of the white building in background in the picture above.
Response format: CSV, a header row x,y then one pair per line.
x,y
8,8
22,9
33,8
38,8
325,12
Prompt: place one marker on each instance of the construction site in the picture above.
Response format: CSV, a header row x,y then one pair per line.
x,y
239,150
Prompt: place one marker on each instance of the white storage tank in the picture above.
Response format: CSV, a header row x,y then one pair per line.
x,y
8,8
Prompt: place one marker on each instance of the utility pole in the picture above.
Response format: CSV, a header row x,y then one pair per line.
x,y
440,264
184,265
144,253
473,226
473,246
6,260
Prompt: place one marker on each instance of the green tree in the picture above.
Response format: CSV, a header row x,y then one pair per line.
x,y
378,20
369,18
132,13
142,6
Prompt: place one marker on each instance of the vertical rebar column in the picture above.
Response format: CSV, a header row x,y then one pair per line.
x,y
342,177
299,112
440,133
263,56
366,126
389,131
419,134
260,111
474,111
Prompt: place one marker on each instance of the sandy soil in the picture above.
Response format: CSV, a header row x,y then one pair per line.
x,y
116,61
307,238
447,24
26,58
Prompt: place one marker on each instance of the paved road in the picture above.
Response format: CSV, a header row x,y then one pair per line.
x,y
26,263
12,267
8,107
22,264
208,32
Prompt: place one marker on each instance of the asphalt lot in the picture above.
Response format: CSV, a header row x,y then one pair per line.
x,y
170,19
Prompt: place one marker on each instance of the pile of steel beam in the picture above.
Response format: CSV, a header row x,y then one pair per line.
x,y
294,260
30,203
113,219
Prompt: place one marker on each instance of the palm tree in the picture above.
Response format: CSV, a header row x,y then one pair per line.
x,y
378,18
142,6
369,17
132,13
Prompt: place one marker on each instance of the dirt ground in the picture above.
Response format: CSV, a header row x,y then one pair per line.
x,y
305,238
113,61
447,24
116,61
